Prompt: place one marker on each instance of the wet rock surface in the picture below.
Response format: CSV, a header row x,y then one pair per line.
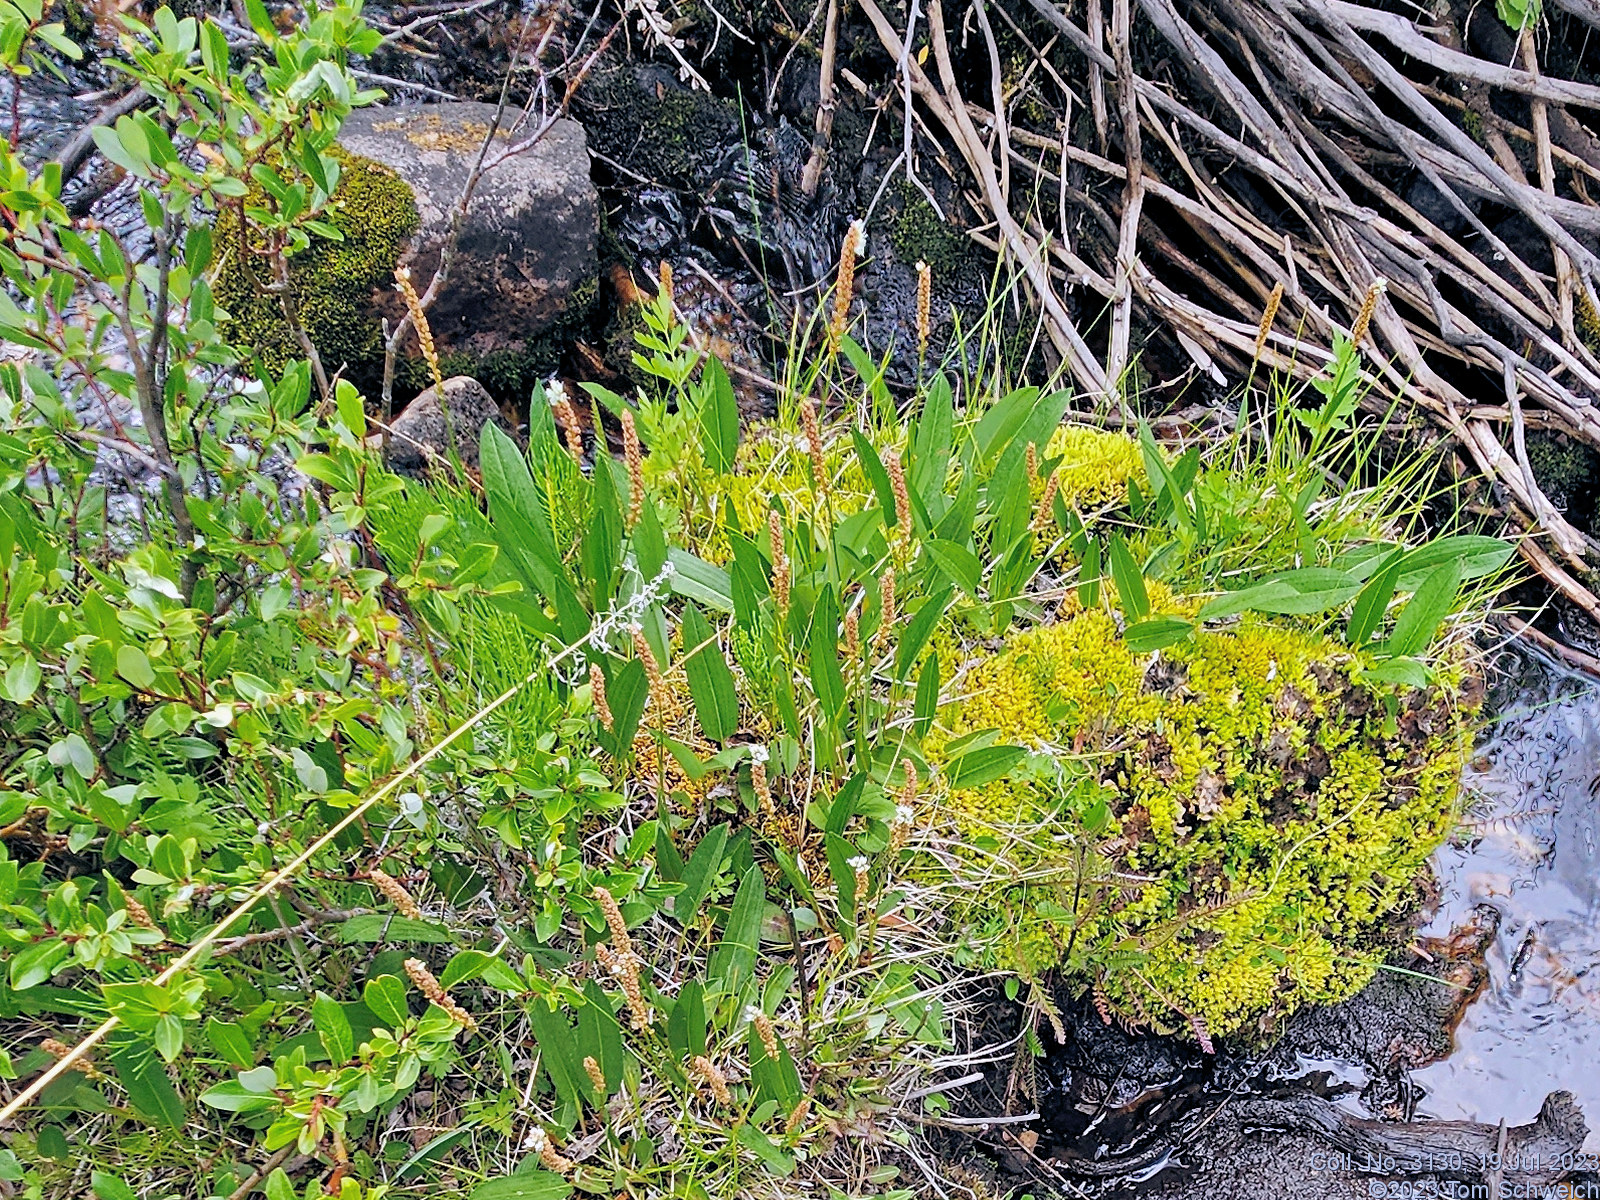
x,y
421,435
525,266
690,177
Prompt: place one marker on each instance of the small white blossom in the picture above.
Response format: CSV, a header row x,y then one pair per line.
x,y
858,863
904,814
556,392
758,754
752,1013
536,1141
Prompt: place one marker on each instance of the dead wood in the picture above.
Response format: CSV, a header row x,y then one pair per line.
x,y
1232,146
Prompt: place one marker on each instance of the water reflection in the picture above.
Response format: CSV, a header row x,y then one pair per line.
x,y
1530,853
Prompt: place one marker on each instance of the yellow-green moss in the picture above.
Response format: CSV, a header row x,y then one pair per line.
x,y
332,281
1096,465
1238,821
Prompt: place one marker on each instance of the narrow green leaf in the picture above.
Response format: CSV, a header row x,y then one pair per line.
x,y
1125,573
333,1028
150,1091
686,1024
1089,573
1373,601
381,927
627,690
876,474
823,654
927,703
1420,619
699,873
981,766
231,1042
931,441
959,564
840,854
719,417
733,962
1156,633
558,1053
601,550
918,630
711,686
1478,555
600,1035
535,1185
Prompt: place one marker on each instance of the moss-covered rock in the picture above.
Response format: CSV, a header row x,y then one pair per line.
x,y
1222,831
332,282
920,233
1567,472
643,117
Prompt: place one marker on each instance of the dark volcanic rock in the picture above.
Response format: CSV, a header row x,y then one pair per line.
x,y
526,264
421,434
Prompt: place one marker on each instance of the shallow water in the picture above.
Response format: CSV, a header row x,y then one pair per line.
x,y
1529,853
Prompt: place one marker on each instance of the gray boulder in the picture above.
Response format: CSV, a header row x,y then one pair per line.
x,y
420,435
526,264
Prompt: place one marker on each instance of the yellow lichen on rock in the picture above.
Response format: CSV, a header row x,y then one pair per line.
x,y
1236,819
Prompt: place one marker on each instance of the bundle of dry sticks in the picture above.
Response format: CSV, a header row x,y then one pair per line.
x,y
1215,160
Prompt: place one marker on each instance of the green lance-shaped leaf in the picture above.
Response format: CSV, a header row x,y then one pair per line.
x,y
716,701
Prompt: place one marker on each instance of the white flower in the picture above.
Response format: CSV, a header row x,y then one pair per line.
x,y
1272,669
858,864
556,392
536,1140
758,754
904,814
752,1013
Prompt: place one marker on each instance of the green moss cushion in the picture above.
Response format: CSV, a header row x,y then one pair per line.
x,y
1225,830
333,281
